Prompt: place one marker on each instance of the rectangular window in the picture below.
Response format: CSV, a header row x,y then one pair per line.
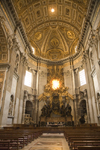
x,y
82,77
28,79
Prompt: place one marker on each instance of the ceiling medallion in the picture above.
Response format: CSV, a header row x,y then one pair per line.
x,y
54,42
38,36
70,34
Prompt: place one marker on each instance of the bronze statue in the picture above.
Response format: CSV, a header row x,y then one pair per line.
x,y
68,110
62,110
82,119
44,111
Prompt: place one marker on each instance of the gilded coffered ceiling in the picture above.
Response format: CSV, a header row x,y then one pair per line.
x,y
54,35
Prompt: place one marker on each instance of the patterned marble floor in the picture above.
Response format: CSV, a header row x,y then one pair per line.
x,y
48,141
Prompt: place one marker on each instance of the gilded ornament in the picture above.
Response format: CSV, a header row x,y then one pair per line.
x,y
55,73
54,42
38,36
70,34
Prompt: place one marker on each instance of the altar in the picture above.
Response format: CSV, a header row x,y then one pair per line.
x,y
51,121
57,121
56,109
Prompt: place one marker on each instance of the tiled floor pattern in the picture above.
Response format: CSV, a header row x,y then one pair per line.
x,y
48,141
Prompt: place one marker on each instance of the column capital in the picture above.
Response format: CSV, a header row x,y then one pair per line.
x,y
4,67
84,57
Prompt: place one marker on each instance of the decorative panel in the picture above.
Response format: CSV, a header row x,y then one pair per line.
x,y
3,47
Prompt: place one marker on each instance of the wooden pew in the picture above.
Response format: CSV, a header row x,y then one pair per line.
x,y
5,145
70,143
76,144
17,138
88,147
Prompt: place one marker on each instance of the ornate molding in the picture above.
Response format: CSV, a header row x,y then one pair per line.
x,y
84,57
28,96
4,67
93,72
16,75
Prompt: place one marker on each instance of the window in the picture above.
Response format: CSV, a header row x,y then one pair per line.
x,y
75,48
33,50
82,77
28,78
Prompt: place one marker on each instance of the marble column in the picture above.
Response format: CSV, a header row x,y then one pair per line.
x,y
21,94
73,90
90,85
37,93
4,68
25,95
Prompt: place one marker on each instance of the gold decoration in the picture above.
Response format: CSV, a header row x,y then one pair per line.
x,y
55,72
54,54
70,34
54,42
66,20
38,36
85,2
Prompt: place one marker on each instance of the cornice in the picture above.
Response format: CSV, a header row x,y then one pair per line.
x,y
86,23
49,62
4,66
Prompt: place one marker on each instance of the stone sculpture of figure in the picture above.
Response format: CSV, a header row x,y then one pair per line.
x,y
11,105
62,111
91,59
48,110
17,63
68,110
82,119
44,111
10,42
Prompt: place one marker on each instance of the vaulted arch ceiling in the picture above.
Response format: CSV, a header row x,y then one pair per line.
x,y
54,35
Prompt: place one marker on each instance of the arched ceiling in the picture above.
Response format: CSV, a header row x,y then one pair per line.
x,y
54,35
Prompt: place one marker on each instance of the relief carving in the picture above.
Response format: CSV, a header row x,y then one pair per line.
x,y
68,73
42,73
17,63
94,40
10,42
84,57
91,59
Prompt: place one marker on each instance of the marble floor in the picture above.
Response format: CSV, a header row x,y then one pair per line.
x,y
48,141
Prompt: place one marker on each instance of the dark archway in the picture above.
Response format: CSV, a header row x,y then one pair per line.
x,y
83,110
29,108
